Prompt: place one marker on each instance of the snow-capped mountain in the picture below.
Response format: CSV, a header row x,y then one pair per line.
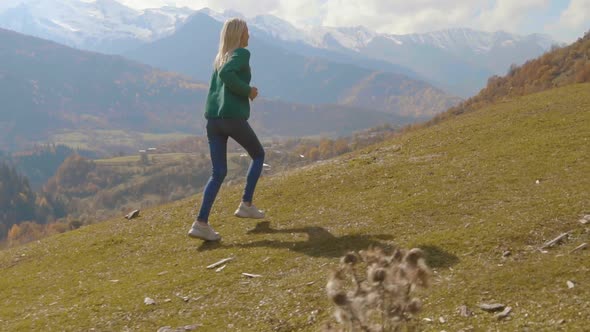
x,y
457,40
316,36
353,38
459,60
278,28
101,25
356,38
77,21
221,17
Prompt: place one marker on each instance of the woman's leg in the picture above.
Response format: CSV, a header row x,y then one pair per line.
x,y
245,136
218,151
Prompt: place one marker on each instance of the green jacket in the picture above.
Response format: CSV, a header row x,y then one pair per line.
x,y
229,88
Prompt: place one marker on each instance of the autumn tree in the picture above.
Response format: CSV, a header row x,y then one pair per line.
x,y
17,200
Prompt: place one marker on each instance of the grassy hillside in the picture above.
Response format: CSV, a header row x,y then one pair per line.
x,y
464,190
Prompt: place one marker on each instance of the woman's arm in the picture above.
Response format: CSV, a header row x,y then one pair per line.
x,y
228,72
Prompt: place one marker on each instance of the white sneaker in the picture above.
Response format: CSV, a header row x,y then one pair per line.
x,y
251,211
203,232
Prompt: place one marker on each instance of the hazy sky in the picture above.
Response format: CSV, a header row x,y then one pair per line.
x,y
565,20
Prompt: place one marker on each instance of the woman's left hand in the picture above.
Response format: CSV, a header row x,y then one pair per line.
x,y
253,93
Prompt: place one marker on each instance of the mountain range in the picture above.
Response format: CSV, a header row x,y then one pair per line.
x,y
46,88
188,45
457,60
285,75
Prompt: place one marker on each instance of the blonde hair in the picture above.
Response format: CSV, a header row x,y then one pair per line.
x,y
229,40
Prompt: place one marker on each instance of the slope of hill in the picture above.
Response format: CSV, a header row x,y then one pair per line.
x,y
52,92
286,75
561,66
507,177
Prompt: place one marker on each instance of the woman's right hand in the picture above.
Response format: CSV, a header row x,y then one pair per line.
x,y
253,93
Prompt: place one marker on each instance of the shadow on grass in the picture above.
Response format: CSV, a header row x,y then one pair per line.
x,y
438,258
320,242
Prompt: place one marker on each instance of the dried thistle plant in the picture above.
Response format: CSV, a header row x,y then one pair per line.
x,y
380,299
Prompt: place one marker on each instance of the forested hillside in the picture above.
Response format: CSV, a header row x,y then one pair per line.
x,y
19,203
559,67
39,163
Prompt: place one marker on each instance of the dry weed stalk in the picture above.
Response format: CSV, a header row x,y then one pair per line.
x,y
381,300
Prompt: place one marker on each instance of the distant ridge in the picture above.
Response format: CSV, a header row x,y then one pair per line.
x,y
556,68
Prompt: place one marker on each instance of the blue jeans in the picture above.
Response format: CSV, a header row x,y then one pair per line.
x,y
218,131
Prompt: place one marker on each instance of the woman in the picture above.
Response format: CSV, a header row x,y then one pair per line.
x,y
227,112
